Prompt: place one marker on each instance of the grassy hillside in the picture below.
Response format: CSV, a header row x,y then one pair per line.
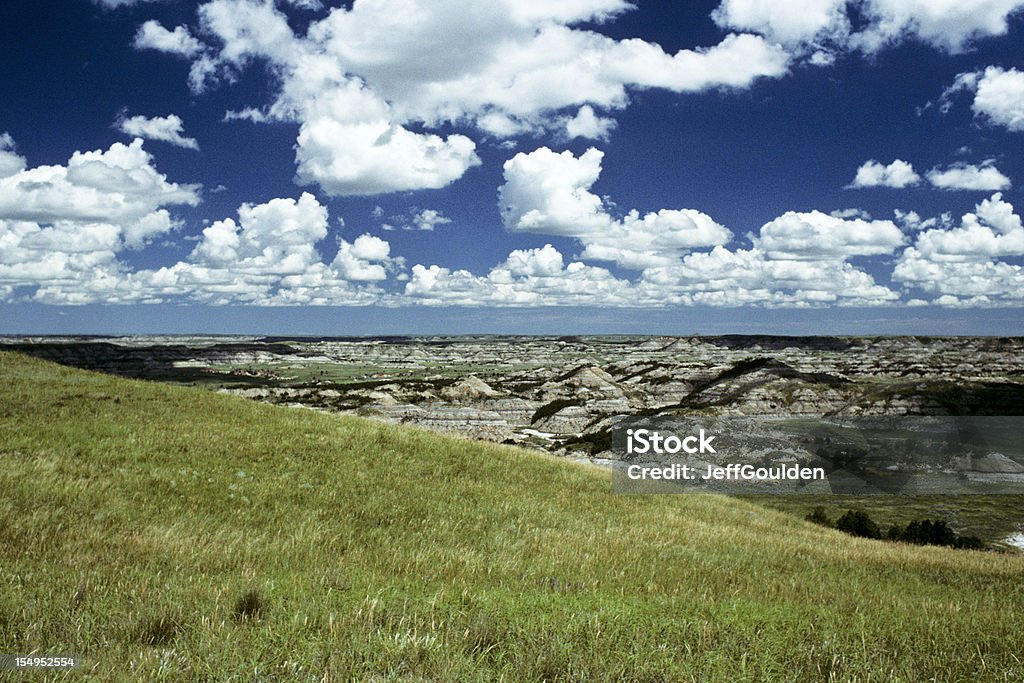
x,y
168,533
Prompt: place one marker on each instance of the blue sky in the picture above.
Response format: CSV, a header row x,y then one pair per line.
x,y
390,166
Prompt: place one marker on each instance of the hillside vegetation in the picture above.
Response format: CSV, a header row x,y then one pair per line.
x,y
168,533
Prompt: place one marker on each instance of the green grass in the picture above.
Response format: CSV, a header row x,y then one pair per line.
x,y
169,533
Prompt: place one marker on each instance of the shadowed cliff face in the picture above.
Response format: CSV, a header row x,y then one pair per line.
x,y
563,394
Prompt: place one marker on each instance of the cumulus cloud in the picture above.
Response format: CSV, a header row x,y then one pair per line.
x,y
788,23
723,277
428,219
528,277
817,236
998,96
269,256
164,128
549,193
992,230
850,213
367,84
276,237
798,277
349,146
587,124
62,227
118,185
519,60
963,176
368,258
153,36
63,230
961,265
898,174
958,176
912,221
962,284
949,26
798,259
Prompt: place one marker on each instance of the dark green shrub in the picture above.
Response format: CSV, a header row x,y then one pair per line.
x,y
933,532
858,523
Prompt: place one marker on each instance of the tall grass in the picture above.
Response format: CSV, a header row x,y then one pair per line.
x,y
168,533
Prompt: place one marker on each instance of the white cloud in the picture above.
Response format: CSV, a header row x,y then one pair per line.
x,y
721,277
152,35
358,151
428,219
528,277
368,84
788,23
897,174
366,259
798,259
656,238
997,281
736,62
815,236
998,95
958,176
587,124
960,264
992,230
164,128
269,257
544,262
204,71
1000,98
912,221
276,237
549,193
962,176
249,29
62,227
518,64
10,161
348,143
118,185
949,25
749,277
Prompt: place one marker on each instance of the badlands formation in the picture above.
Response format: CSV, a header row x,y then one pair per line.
x,y
563,394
